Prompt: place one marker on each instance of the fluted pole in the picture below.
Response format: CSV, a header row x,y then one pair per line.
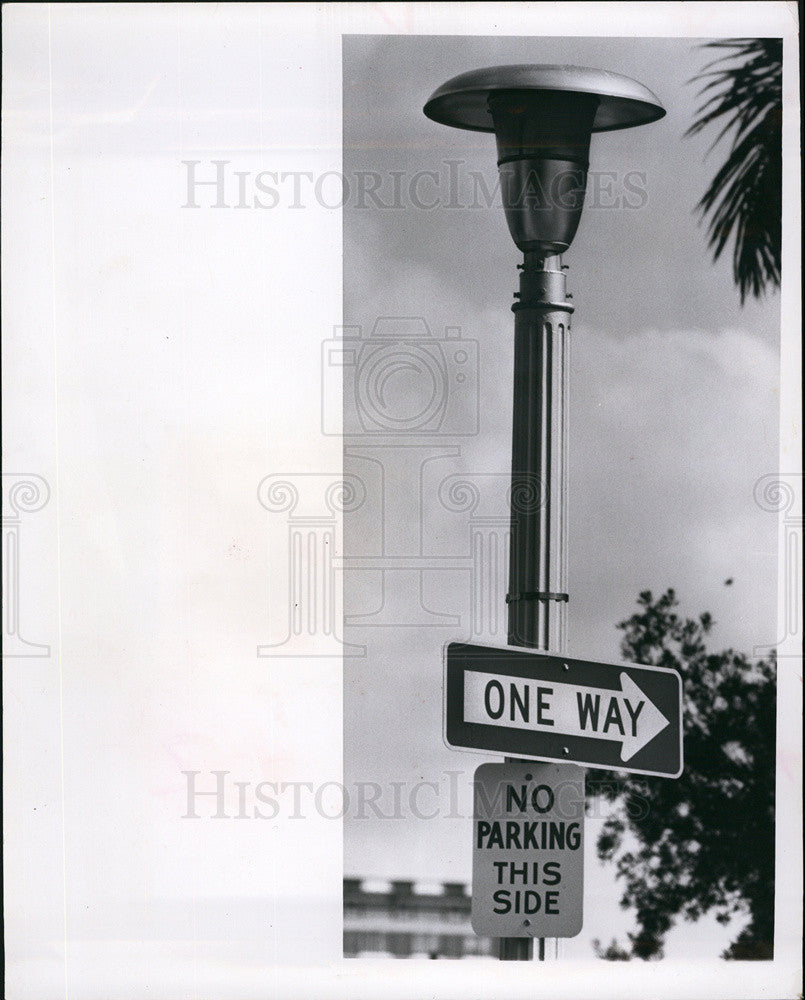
x,y
537,598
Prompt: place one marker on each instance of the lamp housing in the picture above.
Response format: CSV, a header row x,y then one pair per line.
x,y
543,118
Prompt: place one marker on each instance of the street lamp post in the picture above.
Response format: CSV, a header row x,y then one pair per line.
x,y
543,118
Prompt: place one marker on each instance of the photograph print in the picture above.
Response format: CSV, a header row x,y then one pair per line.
x,y
626,465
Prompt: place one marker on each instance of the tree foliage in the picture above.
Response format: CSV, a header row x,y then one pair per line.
x,y
743,93
612,953
703,842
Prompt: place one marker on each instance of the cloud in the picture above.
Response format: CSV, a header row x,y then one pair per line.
x,y
670,432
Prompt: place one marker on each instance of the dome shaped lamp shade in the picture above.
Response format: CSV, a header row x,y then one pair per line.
x,y
543,118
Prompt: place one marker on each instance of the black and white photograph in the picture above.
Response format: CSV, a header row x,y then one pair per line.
x,y
402,501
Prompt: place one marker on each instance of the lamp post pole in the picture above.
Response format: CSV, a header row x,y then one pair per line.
x,y
538,548
537,594
543,118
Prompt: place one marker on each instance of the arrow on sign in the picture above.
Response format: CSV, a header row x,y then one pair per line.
x,y
627,716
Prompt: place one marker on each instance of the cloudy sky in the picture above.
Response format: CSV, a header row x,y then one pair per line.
x,y
161,360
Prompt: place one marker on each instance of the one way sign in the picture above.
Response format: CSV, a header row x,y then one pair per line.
x,y
516,702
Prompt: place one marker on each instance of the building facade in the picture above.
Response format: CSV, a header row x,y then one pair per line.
x,y
408,921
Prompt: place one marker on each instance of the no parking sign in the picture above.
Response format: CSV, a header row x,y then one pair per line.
x,y
528,850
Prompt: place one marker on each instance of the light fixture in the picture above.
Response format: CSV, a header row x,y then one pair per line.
x,y
543,118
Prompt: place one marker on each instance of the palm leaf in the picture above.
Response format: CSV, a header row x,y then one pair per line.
x,y
742,92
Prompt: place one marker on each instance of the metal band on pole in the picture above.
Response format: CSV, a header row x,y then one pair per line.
x,y
537,595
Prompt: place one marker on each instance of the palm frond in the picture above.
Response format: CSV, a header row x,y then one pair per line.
x,y
742,91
